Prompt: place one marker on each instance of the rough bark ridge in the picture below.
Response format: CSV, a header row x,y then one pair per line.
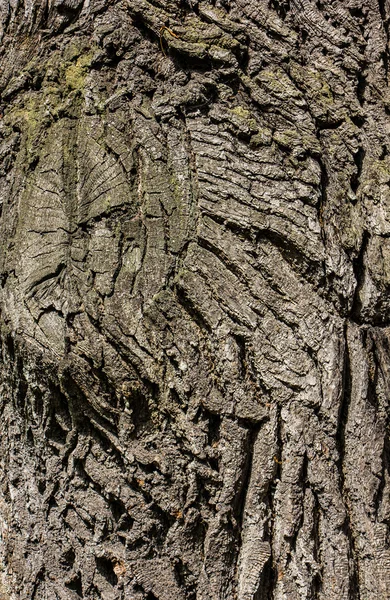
x,y
195,272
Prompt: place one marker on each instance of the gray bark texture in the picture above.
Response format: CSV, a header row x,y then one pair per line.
x,y
194,296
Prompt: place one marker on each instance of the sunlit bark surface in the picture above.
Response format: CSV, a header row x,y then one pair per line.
x,y
194,325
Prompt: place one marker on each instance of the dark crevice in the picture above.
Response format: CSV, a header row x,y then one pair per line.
x,y
281,7
279,445
22,386
361,87
214,426
316,586
385,20
317,579
385,475
382,9
323,198
245,477
345,403
325,124
185,579
159,531
356,12
39,578
118,509
55,432
303,481
68,558
76,585
380,354
269,576
270,572
141,414
188,305
188,6
359,271
267,582
384,152
385,60
358,157
124,522
106,568
343,410
374,369
69,15
358,120
242,355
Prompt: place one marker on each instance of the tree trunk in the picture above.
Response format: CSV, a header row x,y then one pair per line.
x,y
195,274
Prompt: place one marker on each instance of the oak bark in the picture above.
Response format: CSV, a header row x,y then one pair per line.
x,y
194,297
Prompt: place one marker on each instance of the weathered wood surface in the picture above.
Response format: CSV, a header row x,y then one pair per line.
x,y
195,272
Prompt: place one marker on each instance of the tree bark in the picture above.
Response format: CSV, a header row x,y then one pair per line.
x,y
195,273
